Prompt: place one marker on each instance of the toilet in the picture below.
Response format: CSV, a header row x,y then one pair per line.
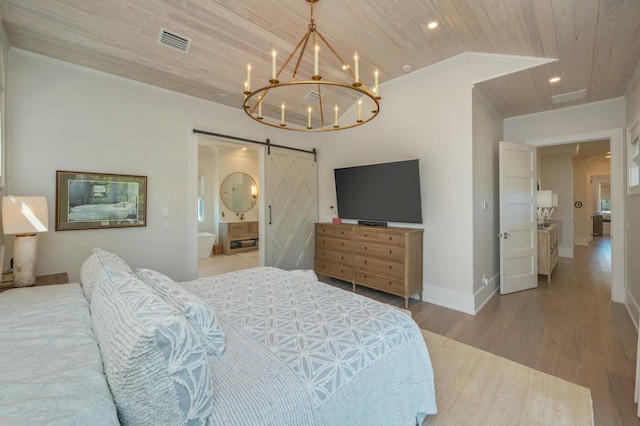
x,y
206,241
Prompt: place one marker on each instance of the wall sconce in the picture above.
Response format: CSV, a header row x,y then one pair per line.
x,y
254,191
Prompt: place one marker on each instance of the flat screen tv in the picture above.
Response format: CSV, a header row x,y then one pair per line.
x,y
388,192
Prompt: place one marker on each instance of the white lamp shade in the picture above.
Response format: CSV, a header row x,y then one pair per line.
x,y
545,198
24,215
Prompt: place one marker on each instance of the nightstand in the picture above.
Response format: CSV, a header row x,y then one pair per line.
x,y
51,279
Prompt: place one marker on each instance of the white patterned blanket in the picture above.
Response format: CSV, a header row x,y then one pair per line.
x,y
299,351
51,367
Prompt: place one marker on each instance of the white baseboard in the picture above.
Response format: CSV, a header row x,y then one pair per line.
x,y
632,308
581,241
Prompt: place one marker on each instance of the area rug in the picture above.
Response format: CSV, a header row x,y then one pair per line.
x,y
248,254
474,387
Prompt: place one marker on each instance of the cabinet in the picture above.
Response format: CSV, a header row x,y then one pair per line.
x,y
53,279
238,237
382,258
547,250
597,224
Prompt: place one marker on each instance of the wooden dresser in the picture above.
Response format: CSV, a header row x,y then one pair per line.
x,y
547,250
238,237
383,258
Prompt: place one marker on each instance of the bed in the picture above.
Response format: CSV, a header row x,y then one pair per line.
x,y
260,346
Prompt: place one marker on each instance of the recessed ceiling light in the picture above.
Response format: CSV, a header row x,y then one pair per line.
x,y
432,25
554,79
406,68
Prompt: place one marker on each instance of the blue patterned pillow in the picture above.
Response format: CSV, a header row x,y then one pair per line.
x,y
201,316
91,268
155,364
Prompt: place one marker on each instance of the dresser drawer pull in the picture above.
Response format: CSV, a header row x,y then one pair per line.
x,y
390,267
390,251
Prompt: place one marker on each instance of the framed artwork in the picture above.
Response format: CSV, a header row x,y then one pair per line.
x,y
633,156
87,200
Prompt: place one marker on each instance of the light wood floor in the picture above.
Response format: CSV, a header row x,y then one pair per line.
x,y
569,329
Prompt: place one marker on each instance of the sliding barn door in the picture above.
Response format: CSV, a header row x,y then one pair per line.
x,y
292,208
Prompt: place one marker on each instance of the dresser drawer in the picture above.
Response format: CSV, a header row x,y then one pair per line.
x,y
344,272
382,266
334,256
331,243
334,231
378,282
378,250
381,236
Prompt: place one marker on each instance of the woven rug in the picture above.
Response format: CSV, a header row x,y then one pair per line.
x,y
474,387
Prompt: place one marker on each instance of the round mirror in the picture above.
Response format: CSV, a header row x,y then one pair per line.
x,y
239,192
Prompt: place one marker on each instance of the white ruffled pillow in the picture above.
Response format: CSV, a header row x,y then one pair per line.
x,y
91,268
201,316
155,364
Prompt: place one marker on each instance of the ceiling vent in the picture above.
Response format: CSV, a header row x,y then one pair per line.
x,y
568,97
174,41
312,96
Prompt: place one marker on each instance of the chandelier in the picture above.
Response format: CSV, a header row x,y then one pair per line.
x,y
307,94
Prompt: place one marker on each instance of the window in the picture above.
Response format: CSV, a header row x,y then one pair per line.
x,y
200,198
605,205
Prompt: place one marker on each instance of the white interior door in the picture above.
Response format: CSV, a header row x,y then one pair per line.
x,y
292,208
518,219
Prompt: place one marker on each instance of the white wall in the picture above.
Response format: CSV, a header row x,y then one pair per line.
x,y
632,99
556,174
583,190
487,132
427,115
65,117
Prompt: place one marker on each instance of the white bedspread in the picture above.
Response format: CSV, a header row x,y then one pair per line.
x,y
302,352
51,371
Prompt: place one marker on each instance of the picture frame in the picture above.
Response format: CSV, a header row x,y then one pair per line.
x,y
633,156
88,200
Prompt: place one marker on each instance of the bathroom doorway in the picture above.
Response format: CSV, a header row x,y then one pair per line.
x,y
228,192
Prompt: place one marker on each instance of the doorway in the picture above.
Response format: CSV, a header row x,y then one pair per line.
x,y
228,193
616,141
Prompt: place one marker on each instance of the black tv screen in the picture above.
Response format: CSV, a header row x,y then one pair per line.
x,y
388,192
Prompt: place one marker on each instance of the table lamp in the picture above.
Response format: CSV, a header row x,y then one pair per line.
x,y
24,217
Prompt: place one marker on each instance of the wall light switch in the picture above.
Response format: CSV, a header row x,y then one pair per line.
x,y
165,212
165,225
485,205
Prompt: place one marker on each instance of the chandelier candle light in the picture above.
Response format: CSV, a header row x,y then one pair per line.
x,y
321,92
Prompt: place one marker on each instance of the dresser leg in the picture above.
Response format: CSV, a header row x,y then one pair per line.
x,y
406,303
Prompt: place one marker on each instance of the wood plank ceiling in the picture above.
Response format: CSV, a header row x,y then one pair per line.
x,y
596,42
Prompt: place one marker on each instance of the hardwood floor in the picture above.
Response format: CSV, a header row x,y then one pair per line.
x,y
569,329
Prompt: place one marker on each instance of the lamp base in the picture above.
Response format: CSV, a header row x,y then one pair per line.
x,y
24,260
